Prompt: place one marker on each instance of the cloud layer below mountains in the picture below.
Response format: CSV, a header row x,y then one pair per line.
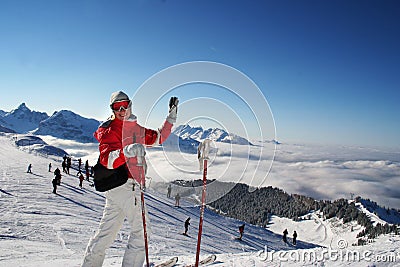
x,y
321,172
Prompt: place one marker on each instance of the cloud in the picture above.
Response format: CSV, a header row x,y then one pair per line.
x,y
321,172
86,151
326,174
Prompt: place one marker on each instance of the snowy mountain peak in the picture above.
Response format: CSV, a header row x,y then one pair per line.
x,y
68,125
186,131
64,124
22,119
23,107
218,135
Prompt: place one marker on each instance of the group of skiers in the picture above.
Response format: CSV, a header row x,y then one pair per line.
x,y
241,227
88,172
80,175
177,196
241,231
284,237
66,164
57,178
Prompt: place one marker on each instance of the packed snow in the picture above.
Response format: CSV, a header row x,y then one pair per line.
x,y
39,228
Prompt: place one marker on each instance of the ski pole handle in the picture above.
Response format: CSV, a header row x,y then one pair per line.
x,y
204,149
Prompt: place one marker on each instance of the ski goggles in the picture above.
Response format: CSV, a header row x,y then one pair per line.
x,y
121,106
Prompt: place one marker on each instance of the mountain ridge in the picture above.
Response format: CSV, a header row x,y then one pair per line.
x,y
69,125
63,124
66,124
218,135
22,119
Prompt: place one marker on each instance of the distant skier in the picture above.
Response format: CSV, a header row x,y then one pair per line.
x,y
169,191
68,164
241,230
87,170
57,174
81,178
29,168
294,238
177,199
79,164
50,167
285,233
64,166
87,175
187,223
54,182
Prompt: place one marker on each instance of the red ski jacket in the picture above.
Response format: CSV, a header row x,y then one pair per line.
x,y
113,135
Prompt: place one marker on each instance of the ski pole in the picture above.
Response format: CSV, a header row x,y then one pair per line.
x,y
203,197
203,153
142,185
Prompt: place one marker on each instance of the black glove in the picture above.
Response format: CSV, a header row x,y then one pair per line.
x,y
173,102
173,109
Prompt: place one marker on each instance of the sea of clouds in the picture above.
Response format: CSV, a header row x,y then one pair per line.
x,y
318,171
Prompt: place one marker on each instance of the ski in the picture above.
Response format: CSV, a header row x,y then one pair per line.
x,y
210,259
169,263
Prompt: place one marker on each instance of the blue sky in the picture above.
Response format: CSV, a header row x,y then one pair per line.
x,y
328,69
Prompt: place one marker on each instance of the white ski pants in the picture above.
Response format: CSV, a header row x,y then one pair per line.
x,y
121,202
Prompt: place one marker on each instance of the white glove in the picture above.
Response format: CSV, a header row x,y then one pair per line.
x,y
173,109
134,150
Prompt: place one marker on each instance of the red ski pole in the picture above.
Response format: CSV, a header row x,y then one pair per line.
x,y
203,155
203,200
142,186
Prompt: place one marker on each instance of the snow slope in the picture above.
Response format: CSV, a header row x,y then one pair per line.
x,y
39,228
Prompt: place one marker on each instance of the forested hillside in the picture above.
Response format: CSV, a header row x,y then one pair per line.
x,y
256,207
